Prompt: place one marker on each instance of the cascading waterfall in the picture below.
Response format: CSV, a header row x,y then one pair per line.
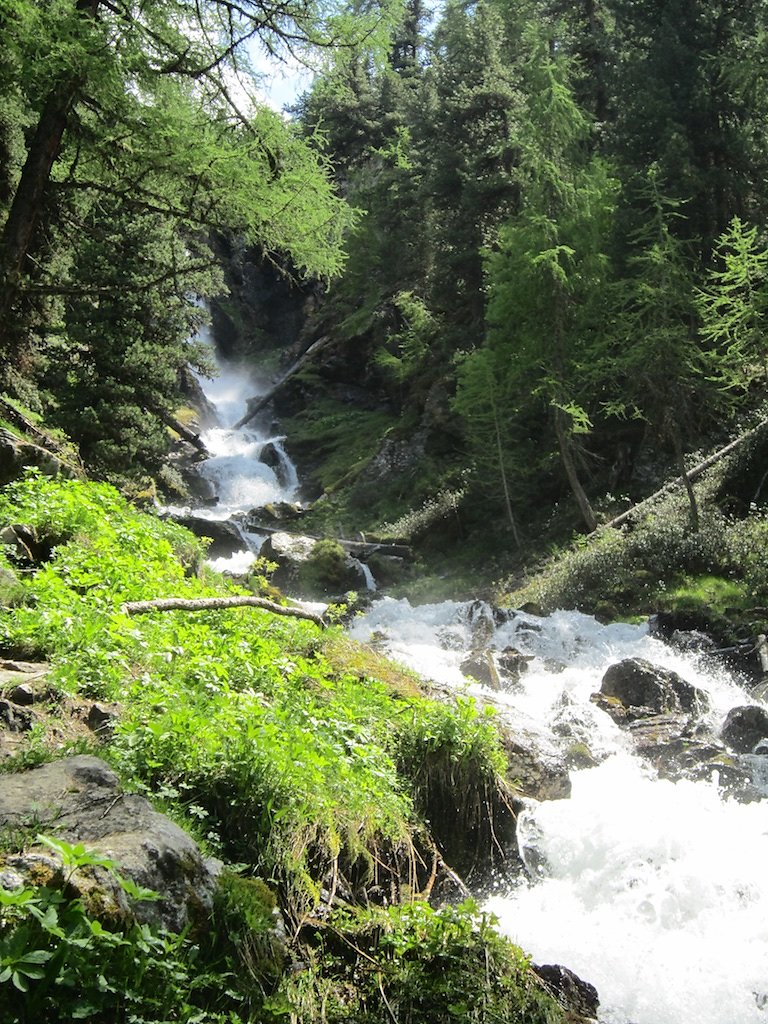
x,y
240,475
654,891
236,470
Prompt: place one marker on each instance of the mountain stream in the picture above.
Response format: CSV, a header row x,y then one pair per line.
x,y
653,890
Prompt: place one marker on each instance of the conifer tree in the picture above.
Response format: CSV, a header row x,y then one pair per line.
x,y
733,306
546,272
661,370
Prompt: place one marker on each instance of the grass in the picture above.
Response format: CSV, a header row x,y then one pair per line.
x,y
657,563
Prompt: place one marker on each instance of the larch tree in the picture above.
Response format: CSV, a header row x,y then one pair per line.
x,y
547,270
150,111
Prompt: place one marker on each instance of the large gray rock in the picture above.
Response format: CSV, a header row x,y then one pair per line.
x,y
225,534
79,800
534,774
634,688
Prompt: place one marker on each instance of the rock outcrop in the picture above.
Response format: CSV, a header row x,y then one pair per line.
x,y
16,455
744,727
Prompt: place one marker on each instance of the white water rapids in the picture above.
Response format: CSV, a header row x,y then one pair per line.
x,y
654,891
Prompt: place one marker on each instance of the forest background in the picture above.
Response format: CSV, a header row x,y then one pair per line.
x,y
533,232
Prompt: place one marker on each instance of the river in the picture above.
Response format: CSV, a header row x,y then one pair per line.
x,y
653,890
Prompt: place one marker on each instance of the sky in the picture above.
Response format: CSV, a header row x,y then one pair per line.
x,y
283,82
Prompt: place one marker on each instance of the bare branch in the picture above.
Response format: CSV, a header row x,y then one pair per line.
x,y
170,604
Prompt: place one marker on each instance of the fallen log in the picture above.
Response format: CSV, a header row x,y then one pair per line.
x,y
690,476
200,604
255,405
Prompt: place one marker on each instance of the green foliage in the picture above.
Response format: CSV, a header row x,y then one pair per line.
x,y
328,567
61,962
417,964
656,561
286,760
455,761
412,342
347,439
733,305
418,521
546,275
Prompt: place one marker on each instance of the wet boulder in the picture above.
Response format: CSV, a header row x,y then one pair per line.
x,y
577,997
481,667
634,688
274,514
744,727
272,456
225,535
313,568
512,664
533,772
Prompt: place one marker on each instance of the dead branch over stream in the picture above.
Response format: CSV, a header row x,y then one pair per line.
x,y
255,405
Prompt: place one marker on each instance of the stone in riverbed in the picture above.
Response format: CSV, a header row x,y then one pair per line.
x,y
225,534
578,998
634,688
744,727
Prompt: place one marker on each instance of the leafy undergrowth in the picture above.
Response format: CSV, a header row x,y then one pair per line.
x,y
418,965
284,747
658,563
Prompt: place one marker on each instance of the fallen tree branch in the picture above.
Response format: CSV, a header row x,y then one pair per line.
x,y
255,405
691,475
199,604
183,431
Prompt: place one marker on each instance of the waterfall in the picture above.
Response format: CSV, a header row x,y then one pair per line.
x,y
248,468
655,891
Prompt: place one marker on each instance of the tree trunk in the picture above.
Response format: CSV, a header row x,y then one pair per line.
x,y
184,432
255,405
691,475
503,472
562,429
674,434
26,207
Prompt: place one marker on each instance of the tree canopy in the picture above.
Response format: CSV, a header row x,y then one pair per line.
x,y
123,118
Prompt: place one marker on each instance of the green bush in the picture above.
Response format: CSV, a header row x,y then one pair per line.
x,y
413,963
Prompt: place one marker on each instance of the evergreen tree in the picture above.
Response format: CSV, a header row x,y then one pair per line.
x,y
686,74
661,371
733,306
465,139
548,269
